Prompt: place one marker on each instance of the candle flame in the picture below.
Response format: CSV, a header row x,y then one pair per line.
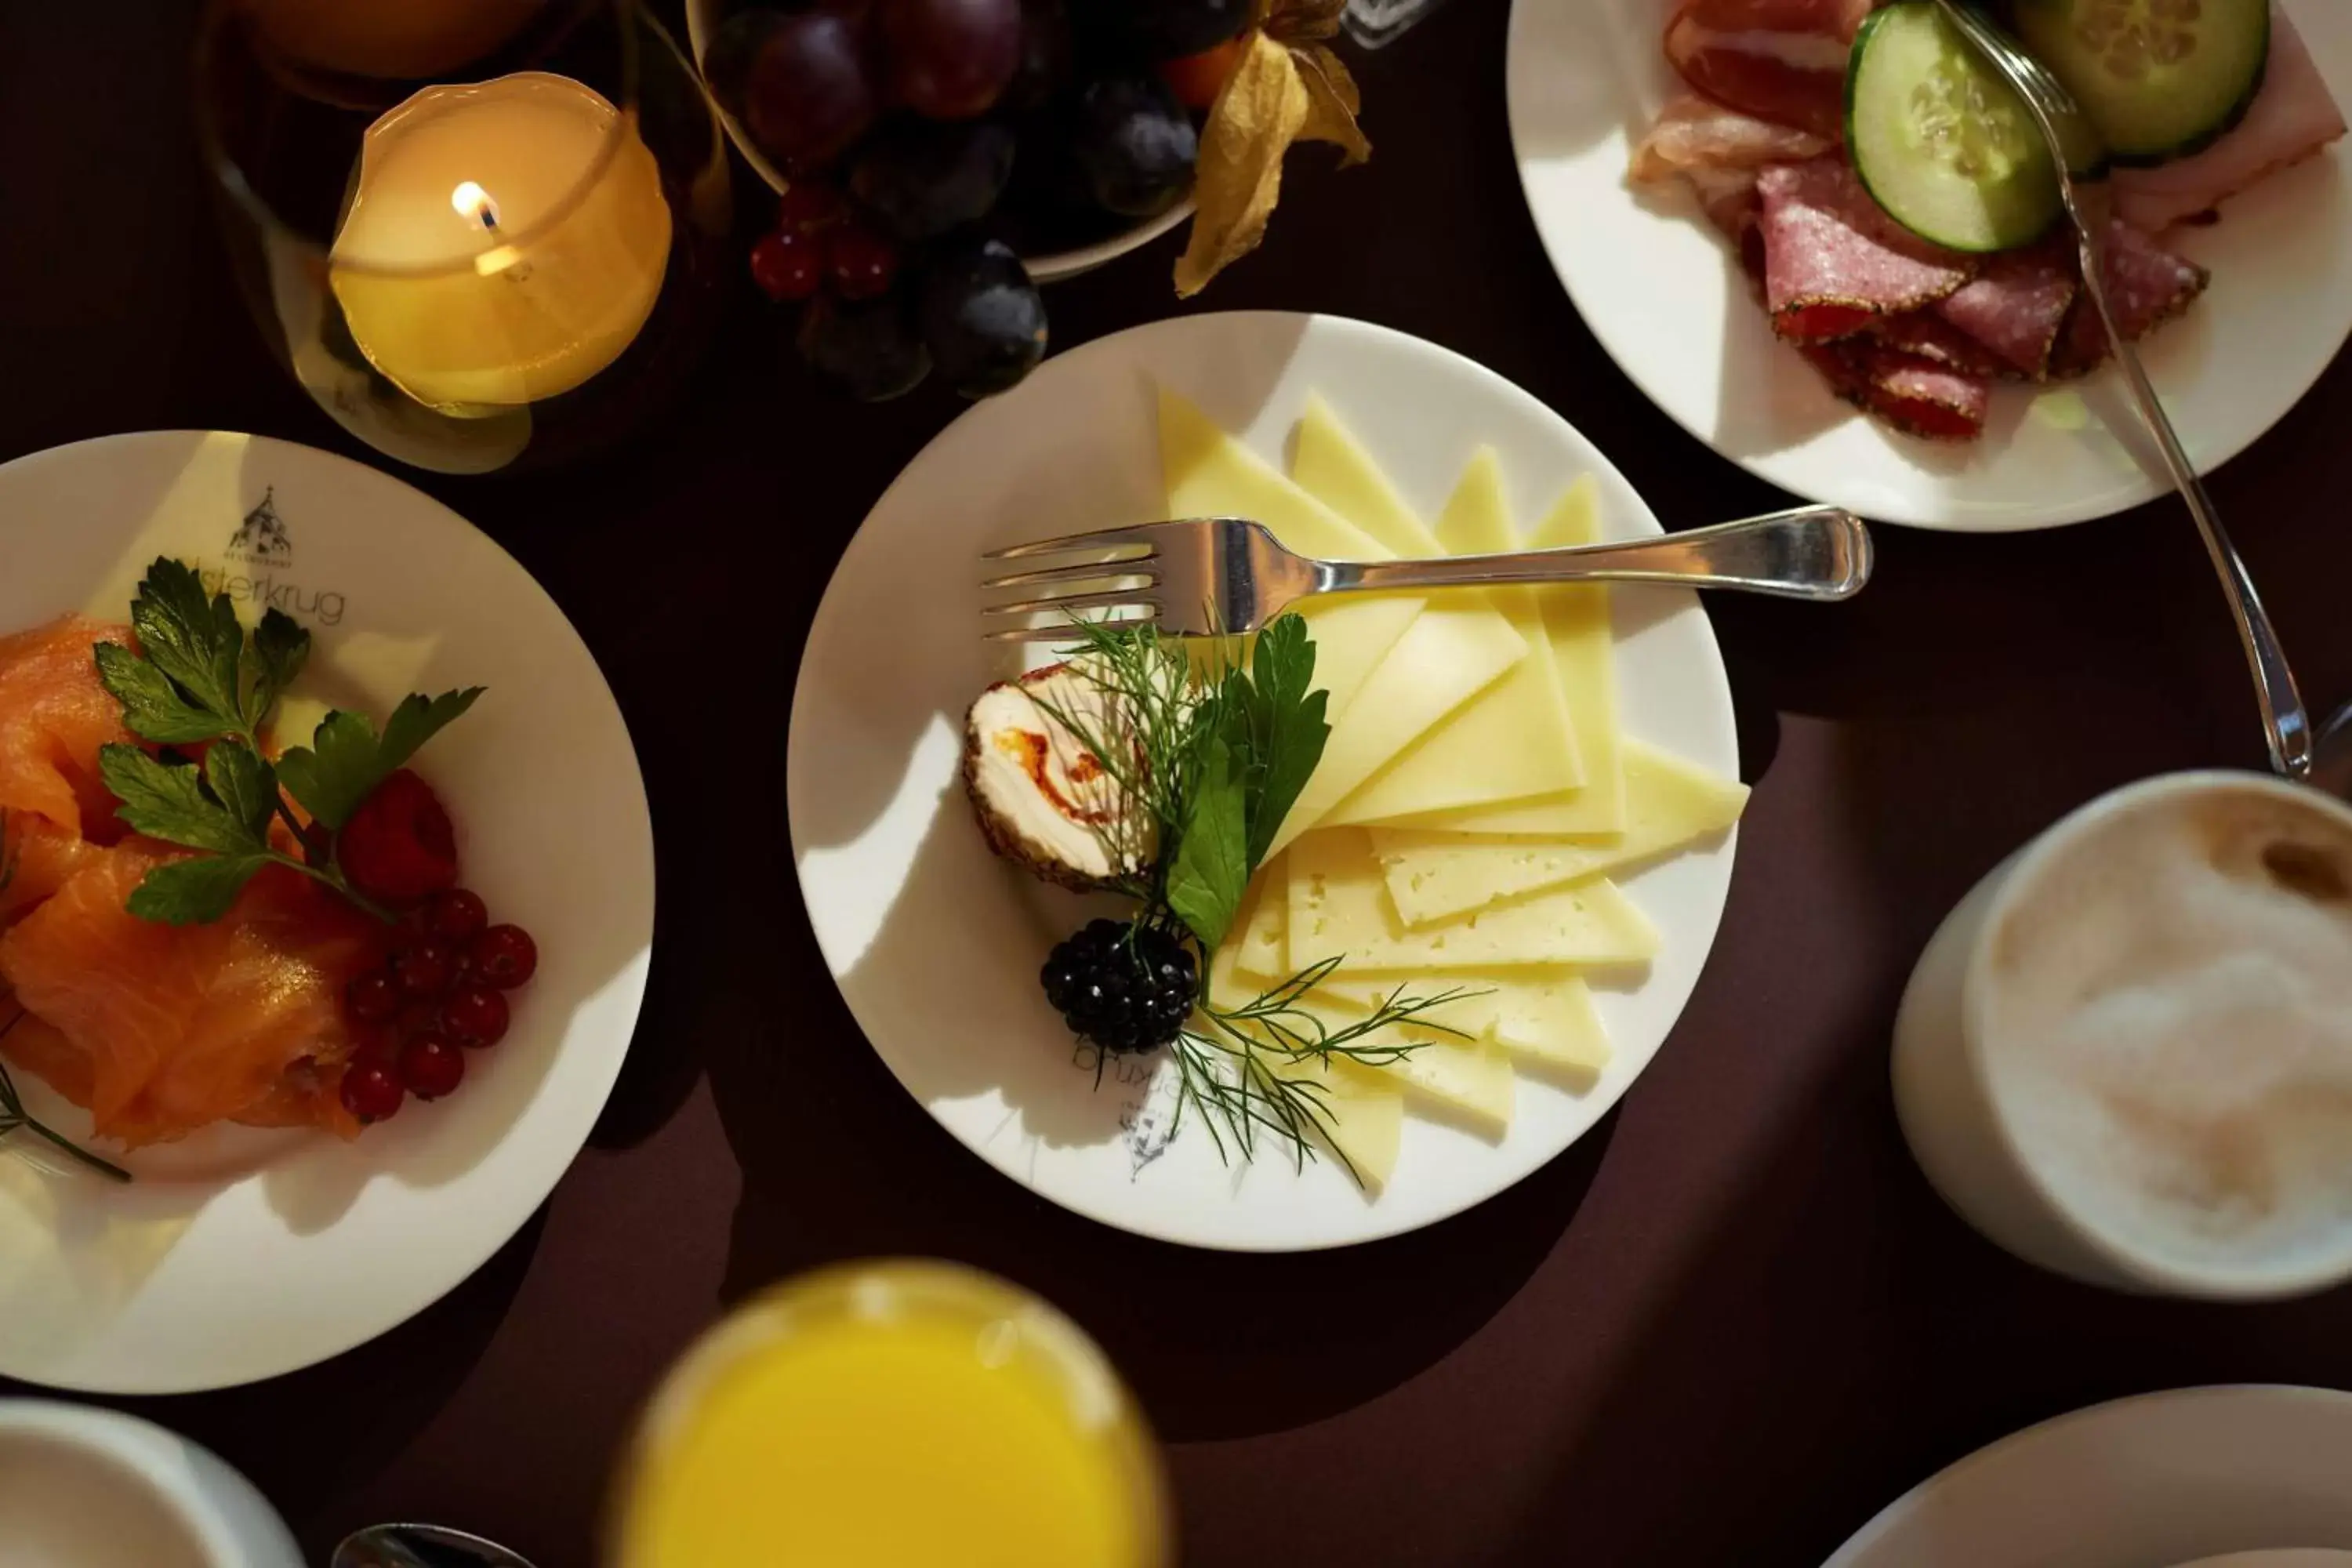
x,y
473,202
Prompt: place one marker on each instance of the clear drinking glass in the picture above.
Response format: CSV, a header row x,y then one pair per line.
x,y
1372,23
481,232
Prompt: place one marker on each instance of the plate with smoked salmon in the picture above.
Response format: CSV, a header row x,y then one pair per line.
x,y
1827,240
309,992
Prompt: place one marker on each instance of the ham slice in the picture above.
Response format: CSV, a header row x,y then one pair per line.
x,y
1780,60
2293,118
1833,263
1695,135
2147,287
2017,304
1915,395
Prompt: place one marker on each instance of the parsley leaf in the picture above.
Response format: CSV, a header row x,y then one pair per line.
x,y
1212,866
1287,728
172,803
192,638
346,759
281,649
237,778
195,891
152,706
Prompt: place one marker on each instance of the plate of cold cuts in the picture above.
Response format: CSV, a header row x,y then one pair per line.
x,y
1824,238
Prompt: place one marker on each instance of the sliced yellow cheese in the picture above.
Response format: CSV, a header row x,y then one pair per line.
x,y
1333,466
1670,803
1576,621
1259,938
1209,474
1517,730
1364,1123
1339,907
1544,1013
1471,1078
1441,661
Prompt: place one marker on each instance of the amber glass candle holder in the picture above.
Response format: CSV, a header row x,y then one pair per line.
x,y
482,234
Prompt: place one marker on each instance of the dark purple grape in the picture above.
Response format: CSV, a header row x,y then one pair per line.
x,y
949,59
1135,144
869,351
809,92
1045,56
981,317
921,180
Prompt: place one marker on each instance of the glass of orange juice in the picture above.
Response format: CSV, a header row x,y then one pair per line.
x,y
891,1414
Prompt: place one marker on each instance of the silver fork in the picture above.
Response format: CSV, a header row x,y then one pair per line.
x,y
2068,133
1206,575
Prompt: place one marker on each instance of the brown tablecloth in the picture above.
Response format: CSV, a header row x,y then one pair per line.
x,y
1725,1328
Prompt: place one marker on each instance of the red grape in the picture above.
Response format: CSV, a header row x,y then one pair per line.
x,y
475,1015
456,917
861,263
951,60
788,266
808,95
505,957
370,1090
373,997
427,969
430,1066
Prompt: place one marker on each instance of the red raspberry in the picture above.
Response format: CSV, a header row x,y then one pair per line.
x,y
399,847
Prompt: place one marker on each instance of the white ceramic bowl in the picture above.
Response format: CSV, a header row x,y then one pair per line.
x,y
95,1489
702,20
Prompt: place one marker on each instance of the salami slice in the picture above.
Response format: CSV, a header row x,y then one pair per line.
x,y
2017,304
1924,334
2147,287
1915,396
1833,263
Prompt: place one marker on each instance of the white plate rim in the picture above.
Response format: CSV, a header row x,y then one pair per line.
x,y
430,1277
1972,1483
1637,521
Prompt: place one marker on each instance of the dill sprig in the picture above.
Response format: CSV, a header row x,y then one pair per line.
x,y
1231,1070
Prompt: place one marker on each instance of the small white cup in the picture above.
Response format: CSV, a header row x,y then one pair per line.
x,y
1952,1117
85,1488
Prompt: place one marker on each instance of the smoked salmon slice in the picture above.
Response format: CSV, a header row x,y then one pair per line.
x,y
53,716
157,1030
185,1025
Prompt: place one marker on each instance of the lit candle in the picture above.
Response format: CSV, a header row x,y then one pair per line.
x,y
505,241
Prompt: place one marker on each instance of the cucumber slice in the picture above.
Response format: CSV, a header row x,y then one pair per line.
x,y
2160,78
1940,141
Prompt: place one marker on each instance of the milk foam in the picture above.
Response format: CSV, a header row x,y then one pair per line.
x,y
2167,1022
62,1508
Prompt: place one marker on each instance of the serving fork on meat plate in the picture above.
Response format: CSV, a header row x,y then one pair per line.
x,y
2080,159
1210,576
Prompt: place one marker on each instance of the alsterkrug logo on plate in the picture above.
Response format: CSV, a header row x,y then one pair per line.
x,y
263,540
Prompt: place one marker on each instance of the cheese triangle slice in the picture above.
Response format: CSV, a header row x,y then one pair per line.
x,y
1670,805
1511,742
1209,474
1577,623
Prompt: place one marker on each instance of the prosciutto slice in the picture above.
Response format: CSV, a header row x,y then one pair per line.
x,y
1695,135
1780,60
1833,263
2293,118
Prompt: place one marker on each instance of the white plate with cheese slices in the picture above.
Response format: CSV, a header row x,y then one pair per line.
x,y
1529,797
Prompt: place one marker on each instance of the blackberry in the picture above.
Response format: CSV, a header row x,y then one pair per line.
x,y
1125,987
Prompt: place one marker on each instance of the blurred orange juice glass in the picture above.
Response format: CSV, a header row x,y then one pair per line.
x,y
892,1414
